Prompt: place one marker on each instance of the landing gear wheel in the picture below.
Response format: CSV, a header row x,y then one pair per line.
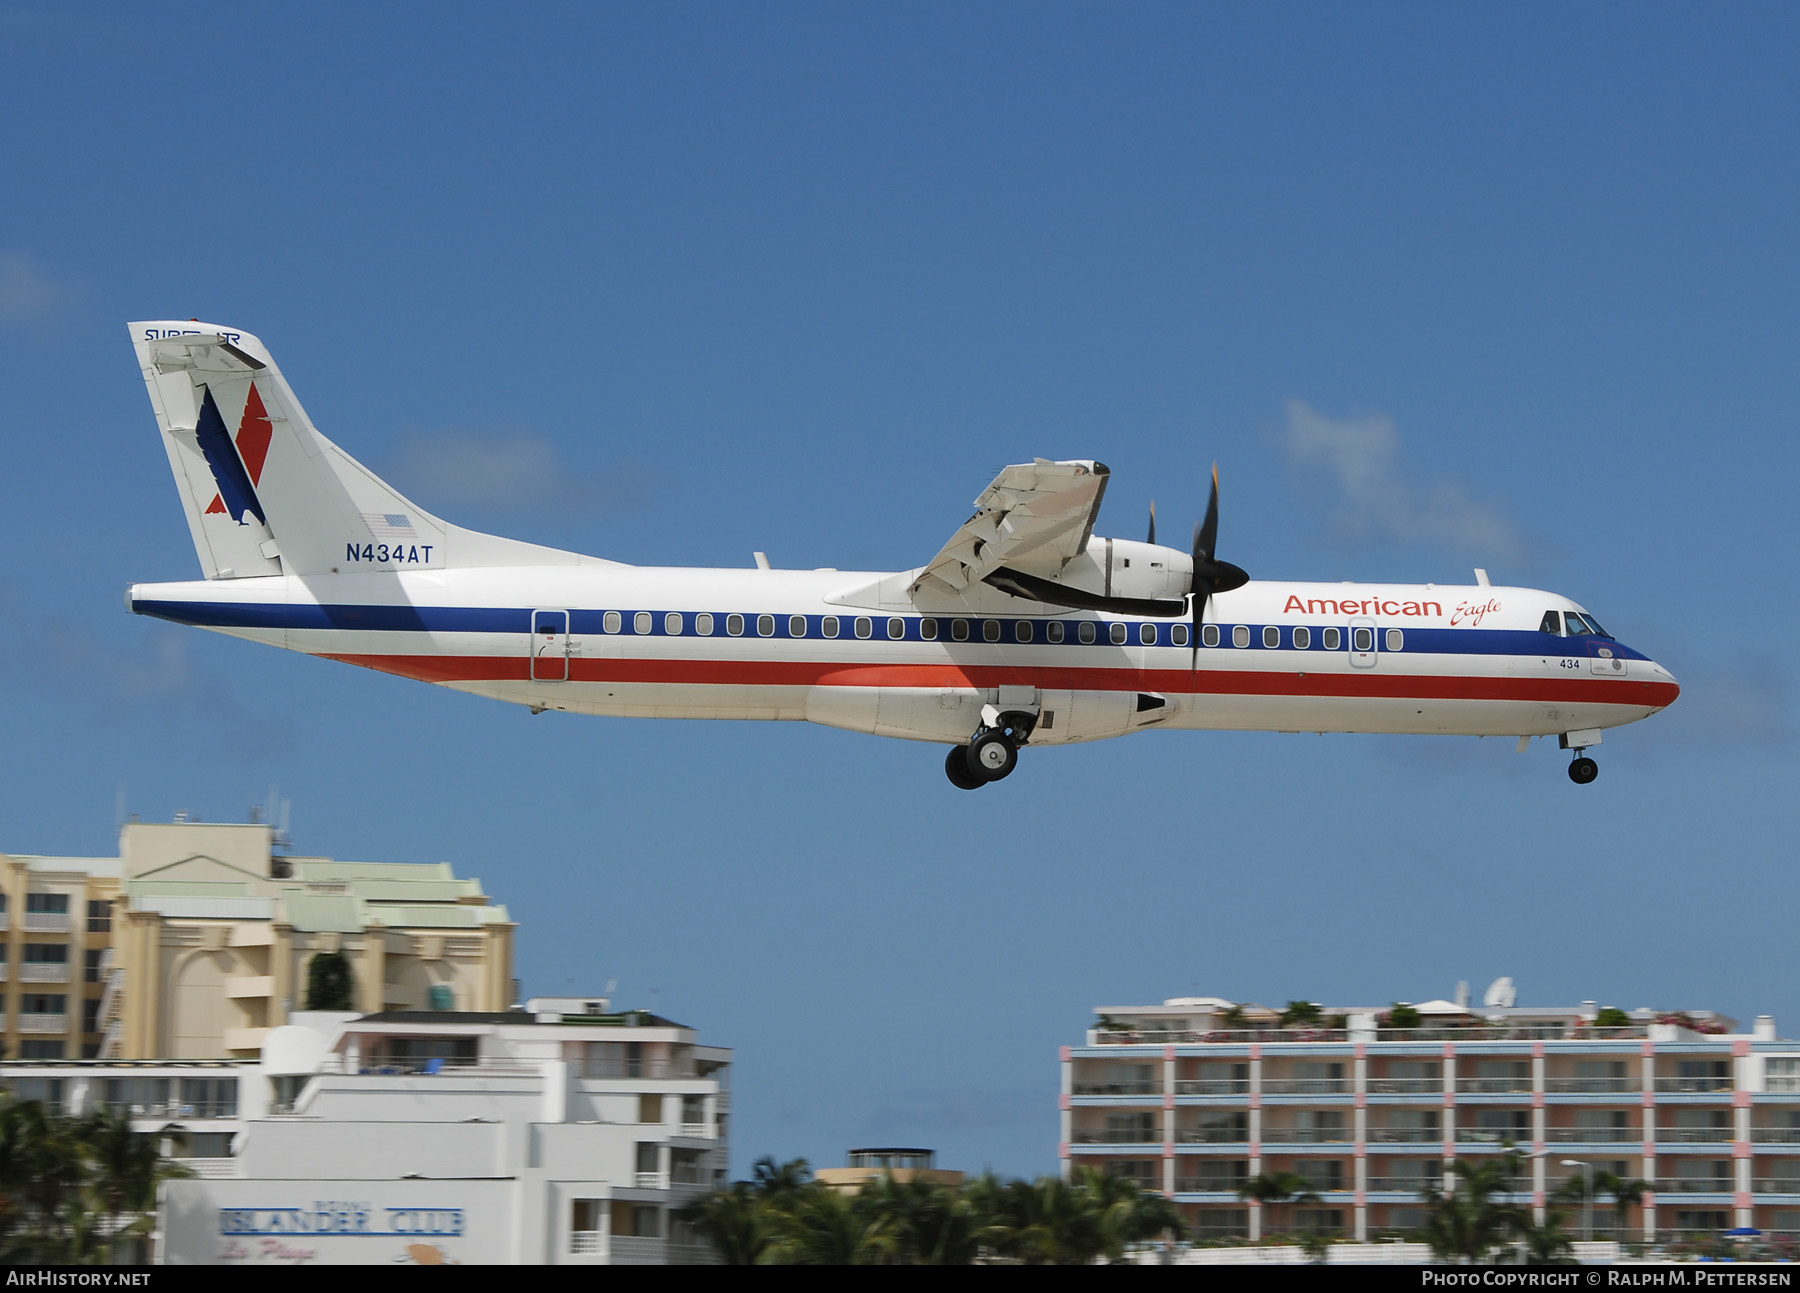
x,y
956,767
992,755
1583,770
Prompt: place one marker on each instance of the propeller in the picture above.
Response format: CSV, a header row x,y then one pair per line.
x,y
1152,538
1211,576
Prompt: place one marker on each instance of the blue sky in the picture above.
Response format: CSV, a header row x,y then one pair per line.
x,y
1436,286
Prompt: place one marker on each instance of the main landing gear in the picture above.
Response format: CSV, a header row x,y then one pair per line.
x,y
991,754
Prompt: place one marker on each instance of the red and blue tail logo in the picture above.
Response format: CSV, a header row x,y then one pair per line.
x,y
236,470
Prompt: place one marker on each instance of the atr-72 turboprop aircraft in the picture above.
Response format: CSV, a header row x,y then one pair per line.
x,y
1026,629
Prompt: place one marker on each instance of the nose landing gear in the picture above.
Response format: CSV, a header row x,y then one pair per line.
x,y
1583,770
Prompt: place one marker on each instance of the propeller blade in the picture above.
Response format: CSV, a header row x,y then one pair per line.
x,y
1211,576
1206,534
1152,538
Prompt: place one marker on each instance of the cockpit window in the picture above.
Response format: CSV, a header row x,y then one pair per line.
x,y
1594,624
1584,625
1552,623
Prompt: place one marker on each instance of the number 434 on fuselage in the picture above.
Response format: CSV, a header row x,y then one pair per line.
x,y
1026,630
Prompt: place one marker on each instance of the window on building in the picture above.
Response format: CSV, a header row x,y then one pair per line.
x,y
100,916
40,1050
829,626
641,622
584,1225
53,904
990,630
46,953
1087,633
703,624
1782,1074
1240,635
734,625
3,901
687,1167
796,626
90,964
43,1003
693,1110
896,628
672,624
1145,1173
1271,636
765,626
1117,633
90,1015
208,1144
209,1097
1132,1128
612,622
650,1109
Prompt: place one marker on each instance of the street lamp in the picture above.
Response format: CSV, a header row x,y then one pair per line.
x,y
1587,1195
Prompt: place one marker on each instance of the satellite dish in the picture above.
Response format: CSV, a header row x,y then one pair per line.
x,y
1501,994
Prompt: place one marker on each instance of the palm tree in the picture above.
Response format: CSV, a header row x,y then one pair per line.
x,y
1279,1187
127,1168
1128,1214
817,1226
772,1179
734,1221
1625,1191
1469,1223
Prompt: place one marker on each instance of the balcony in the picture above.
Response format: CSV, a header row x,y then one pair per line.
x,y
44,972
5,921
1406,1086
1117,1088
1493,1135
650,1181
1213,1135
1213,1086
697,1130
1693,1135
1406,1135
250,986
1307,1135
1692,1085
1593,1086
1775,1135
211,1169
584,1241
1120,1136
1695,1185
1413,1185
1308,1086
176,1109
43,1023
1221,1036
1494,1086
1593,1135
1776,1184
47,922
1513,1033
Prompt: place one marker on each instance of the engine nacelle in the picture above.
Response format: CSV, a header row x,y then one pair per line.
x,y
1119,575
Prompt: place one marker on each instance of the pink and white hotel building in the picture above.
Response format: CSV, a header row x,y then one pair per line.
x,y
1180,1099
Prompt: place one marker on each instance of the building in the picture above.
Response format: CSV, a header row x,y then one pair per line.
x,y
864,1165
563,1133
1198,1095
197,939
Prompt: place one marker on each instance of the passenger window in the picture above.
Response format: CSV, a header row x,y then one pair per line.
x,y
1053,631
1022,630
864,626
703,624
734,625
1178,634
1087,631
1332,639
829,626
1396,640
611,621
640,623
990,630
1147,634
959,629
1116,632
1271,636
896,628
1552,623
765,626
796,626
672,624
1240,635
1302,639
1362,639
1209,635
928,630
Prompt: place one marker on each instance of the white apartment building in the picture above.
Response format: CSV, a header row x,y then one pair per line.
x,y
1198,1095
561,1134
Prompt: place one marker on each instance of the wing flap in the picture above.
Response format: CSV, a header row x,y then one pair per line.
x,y
1034,517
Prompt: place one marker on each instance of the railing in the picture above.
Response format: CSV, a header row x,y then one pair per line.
x,y
1209,1184
43,1023
1118,1088
1307,1135
1120,1136
1213,1135
5,921
650,1181
584,1241
1776,1184
1493,1135
175,1108
1775,1135
1406,1184
1128,1037
1593,1086
1213,1086
211,1169
1308,1086
638,1068
696,1129
3,971
1593,1135
1406,1135
44,972
1494,1086
1695,1185
1693,1135
636,1249
47,922
1512,1033
1692,1085
1406,1086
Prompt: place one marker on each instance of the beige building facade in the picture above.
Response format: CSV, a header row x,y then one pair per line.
x,y
198,939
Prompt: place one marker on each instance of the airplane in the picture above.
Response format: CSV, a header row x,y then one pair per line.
x,y
1026,630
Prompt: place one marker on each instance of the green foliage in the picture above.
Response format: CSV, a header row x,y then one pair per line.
x,y
1305,1013
1612,1017
72,1190
1470,1224
1404,1016
328,982
1235,1018
1107,1024
784,1217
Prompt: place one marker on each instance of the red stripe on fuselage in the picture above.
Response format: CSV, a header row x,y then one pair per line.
x,y
1218,682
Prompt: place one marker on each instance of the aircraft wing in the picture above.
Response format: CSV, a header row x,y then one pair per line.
x,y
1034,517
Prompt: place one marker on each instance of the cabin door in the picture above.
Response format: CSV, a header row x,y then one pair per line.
x,y
549,646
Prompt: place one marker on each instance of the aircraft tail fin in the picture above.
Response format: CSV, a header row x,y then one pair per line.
x,y
265,493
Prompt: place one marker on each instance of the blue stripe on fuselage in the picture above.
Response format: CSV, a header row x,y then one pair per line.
x,y
404,618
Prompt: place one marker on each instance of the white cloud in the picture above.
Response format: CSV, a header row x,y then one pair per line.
x,y
28,292
1381,500
509,471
